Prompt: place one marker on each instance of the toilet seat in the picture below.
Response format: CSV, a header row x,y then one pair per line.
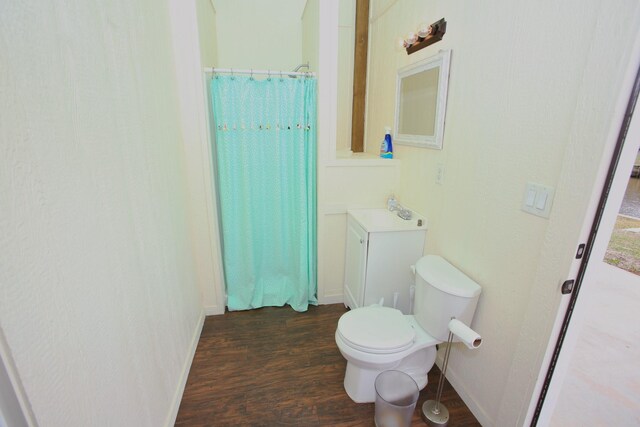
x,y
377,330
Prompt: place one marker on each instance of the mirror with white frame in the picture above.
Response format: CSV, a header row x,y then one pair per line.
x,y
421,101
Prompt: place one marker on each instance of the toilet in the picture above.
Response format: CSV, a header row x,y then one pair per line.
x,y
375,338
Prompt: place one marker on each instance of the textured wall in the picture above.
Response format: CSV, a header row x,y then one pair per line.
x,y
98,301
346,44
310,33
342,183
191,24
207,32
259,34
530,99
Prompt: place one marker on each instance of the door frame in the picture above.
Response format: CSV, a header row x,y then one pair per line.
x,y
613,186
15,407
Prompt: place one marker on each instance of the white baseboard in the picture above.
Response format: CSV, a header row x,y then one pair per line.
x,y
458,385
331,299
213,310
177,397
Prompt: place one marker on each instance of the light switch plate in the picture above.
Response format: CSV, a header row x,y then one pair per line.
x,y
537,199
530,197
541,199
440,174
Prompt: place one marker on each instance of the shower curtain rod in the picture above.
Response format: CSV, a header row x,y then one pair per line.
x,y
268,72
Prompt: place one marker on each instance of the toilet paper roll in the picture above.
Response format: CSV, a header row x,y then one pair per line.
x,y
467,335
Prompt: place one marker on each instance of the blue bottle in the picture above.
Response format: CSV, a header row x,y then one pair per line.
x,y
386,147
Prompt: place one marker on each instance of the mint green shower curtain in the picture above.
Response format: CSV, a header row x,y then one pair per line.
x,y
265,142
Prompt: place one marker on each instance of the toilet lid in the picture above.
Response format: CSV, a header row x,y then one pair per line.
x,y
376,329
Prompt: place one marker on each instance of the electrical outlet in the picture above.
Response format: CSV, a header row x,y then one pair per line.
x,y
440,174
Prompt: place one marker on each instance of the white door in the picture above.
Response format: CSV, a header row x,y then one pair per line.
x,y
596,380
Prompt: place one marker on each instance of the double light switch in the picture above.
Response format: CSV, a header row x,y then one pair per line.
x,y
537,199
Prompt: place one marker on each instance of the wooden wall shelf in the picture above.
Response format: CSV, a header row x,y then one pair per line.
x,y
440,28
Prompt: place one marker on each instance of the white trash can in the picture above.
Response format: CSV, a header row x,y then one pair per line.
x,y
396,397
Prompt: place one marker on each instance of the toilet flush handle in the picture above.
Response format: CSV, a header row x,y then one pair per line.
x,y
412,296
412,289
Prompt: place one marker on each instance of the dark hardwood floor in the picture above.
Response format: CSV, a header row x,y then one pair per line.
x,y
276,367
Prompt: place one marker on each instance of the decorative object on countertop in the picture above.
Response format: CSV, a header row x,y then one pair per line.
x,y
392,203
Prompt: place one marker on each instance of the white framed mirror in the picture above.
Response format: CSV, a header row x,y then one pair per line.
x,y
421,101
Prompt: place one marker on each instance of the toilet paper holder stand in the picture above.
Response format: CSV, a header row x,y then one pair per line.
x,y
434,413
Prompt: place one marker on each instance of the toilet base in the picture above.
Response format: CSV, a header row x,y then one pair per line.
x,y
359,381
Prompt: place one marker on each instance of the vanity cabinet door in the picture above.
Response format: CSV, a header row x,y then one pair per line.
x,y
355,264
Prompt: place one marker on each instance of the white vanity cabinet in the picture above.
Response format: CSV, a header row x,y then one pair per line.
x,y
381,247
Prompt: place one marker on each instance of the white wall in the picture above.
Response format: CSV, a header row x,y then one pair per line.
x,y
207,32
259,34
193,26
346,44
100,307
342,183
310,33
531,92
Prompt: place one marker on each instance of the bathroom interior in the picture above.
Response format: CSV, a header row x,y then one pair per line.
x,y
110,248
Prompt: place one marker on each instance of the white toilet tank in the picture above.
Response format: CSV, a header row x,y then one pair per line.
x,y
443,292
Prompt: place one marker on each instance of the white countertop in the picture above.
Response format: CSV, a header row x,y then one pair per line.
x,y
375,220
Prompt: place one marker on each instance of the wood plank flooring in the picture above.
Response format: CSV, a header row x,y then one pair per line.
x,y
276,367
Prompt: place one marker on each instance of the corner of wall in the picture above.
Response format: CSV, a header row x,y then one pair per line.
x,y
184,374
203,224
327,101
15,407
471,401
213,310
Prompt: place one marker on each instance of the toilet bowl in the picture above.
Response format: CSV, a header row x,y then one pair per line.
x,y
374,339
